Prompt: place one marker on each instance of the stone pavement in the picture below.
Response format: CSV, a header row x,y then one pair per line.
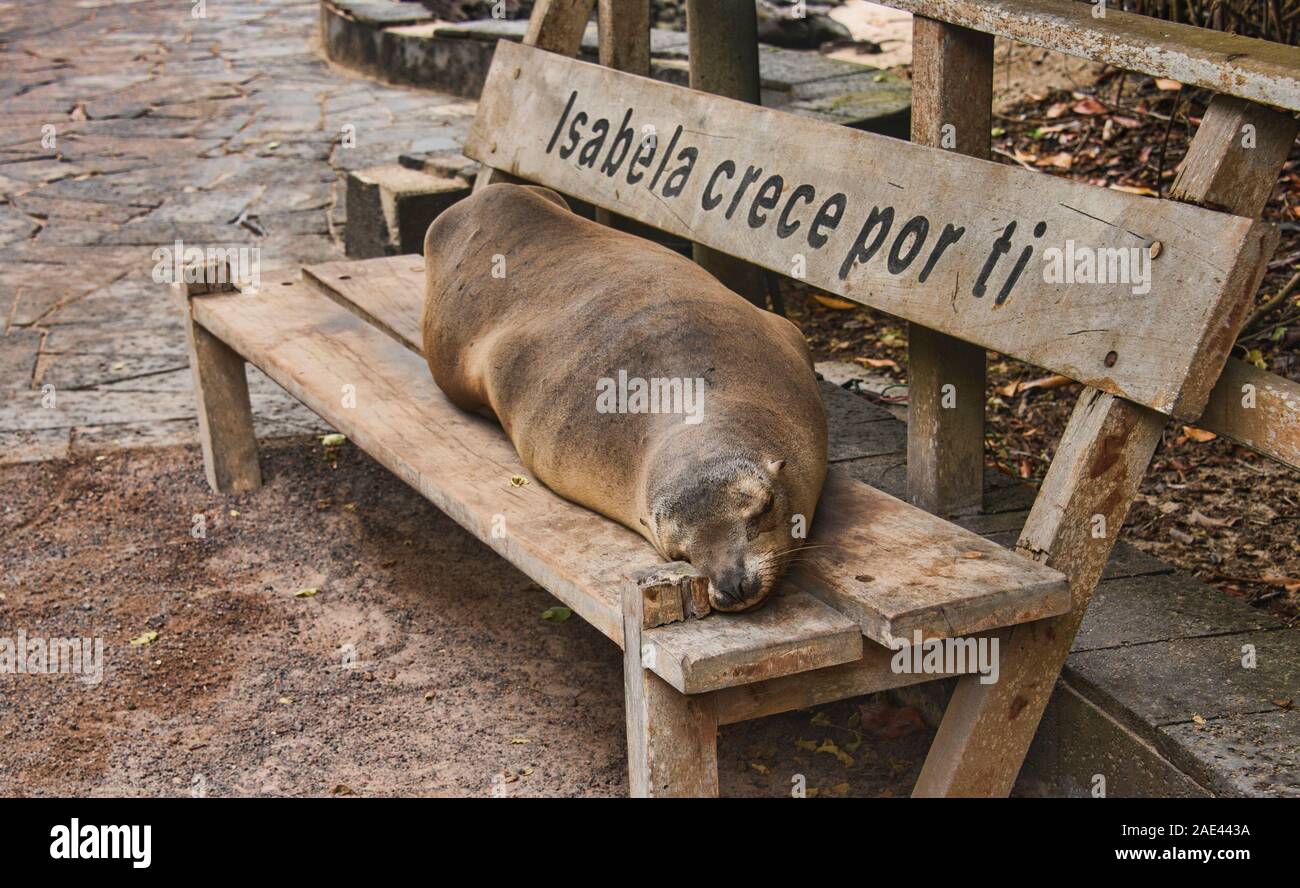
x,y
129,125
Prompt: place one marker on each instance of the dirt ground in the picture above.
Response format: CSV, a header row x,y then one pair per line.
x,y
457,685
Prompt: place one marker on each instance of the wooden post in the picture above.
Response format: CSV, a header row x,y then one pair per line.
x,y
952,108
1092,481
221,393
625,46
723,46
672,739
555,26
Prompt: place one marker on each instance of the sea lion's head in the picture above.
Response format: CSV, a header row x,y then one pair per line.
x,y
730,517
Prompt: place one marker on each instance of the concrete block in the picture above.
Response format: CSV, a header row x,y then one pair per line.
x,y
390,208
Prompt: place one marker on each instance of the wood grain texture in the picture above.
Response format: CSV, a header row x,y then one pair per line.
x,y
464,465
672,739
1104,335
1228,164
869,675
625,35
891,567
952,102
1271,426
1259,70
1098,467
221,397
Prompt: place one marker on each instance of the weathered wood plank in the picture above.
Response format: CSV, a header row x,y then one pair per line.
x,y
1108,335
952,109
1259,70
921,573
465,466
1258,409
868,675
1233,162
672,739
900,571
221,396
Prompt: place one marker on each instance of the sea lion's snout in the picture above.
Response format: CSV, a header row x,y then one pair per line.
x,y
731,519
737,587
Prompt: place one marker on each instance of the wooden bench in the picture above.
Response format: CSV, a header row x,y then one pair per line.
x,y
343,338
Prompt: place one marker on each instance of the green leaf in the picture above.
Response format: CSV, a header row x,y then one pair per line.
x,y
556,614
147,638
334,440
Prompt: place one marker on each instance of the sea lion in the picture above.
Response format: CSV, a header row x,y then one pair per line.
x,y
572,333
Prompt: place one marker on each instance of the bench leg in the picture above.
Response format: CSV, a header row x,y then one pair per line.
x,y
672,738
986,729
225,415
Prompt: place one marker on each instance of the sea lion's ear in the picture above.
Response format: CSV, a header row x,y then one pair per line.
x,y
775,466
643,523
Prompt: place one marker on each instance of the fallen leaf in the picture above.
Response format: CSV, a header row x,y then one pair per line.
x,y
972,555
807,745
309,592
1201,520
333,440
877,363
829,747
1088,105
146,638
1062,160
762,769
518,481
1200,436
880,719
557,614
342,789
1167,85
1057,110
518,741
285,701
1199,719
1135,189
1290,584
1282,703
834,302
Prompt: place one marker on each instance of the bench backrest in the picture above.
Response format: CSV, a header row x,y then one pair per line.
x,y
1139,298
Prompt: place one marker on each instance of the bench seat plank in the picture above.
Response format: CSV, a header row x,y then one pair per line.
x,y
464,465
889,566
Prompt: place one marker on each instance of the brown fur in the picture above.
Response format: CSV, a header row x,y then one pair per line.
x,y
580,301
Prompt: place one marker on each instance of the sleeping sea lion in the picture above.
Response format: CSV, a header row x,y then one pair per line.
x,y
630,381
